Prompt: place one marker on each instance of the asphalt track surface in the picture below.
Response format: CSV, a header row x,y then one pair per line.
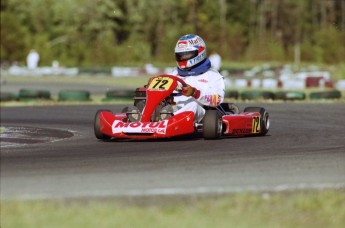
x,y
305,148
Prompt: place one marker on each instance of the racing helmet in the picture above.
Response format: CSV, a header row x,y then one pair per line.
x,y
190,50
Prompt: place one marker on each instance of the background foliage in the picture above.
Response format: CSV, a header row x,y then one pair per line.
x,y
125,32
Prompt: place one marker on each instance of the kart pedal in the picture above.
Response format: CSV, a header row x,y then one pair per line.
x,y
166,112
133,114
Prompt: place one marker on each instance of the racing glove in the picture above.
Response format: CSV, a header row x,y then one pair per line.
x,y
190,91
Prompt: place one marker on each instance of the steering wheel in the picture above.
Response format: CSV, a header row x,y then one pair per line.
x,y
183,83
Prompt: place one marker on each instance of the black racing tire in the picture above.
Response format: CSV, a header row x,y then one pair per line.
x,y
232,94
74,95
97,130
257,95
289,95
334,94
212,125
264,119
6,96
31,94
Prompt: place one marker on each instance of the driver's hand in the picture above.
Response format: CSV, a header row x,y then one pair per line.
x,y
190,91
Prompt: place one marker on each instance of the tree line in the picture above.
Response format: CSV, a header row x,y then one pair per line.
x,y
125,32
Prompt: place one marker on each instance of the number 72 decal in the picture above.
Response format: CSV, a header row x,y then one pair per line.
x,y
256,124
162,83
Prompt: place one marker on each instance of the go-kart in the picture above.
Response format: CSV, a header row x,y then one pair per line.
x,y
149,118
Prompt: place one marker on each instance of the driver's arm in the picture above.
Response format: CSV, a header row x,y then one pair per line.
x,y
214,94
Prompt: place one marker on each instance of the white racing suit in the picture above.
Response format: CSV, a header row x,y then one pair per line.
x,y
211,86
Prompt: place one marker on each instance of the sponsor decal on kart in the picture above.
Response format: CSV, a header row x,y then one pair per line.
x,y
160,83
241,131
256,124
140,127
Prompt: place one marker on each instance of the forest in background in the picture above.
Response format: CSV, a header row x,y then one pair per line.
x,y
127,32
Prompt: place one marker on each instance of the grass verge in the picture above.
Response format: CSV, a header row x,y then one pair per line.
x,y
131,82
324,208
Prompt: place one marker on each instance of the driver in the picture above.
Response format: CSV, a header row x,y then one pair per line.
x,y
205,85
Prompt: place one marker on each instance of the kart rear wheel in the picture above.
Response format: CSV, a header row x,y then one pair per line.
x,y
212,125
97,127
264,118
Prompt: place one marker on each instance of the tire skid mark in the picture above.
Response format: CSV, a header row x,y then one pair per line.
x,y
20,136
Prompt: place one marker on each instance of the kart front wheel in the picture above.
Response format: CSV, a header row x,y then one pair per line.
x,y
97,127
212,125
264,119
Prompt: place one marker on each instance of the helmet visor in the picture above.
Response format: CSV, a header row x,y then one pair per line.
x,y
186,55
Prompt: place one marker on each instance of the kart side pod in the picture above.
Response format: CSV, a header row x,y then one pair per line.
x,y
252,121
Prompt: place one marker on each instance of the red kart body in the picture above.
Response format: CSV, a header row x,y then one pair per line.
x,y
116,126
246,123
110,125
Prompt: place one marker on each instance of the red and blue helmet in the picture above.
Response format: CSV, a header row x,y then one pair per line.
x,y
190,50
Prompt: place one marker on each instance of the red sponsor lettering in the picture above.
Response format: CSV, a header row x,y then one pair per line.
x,y
145,124
135,124
147,127
162,124
154,124
121,124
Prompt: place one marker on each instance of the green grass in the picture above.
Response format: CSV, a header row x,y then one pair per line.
x,y
285,209
337,71
2,130
94,99
131,82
